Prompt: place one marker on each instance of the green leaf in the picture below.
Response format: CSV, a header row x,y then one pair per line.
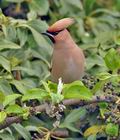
x,y
76,3
40,6
3,115
10,99
103,105
39,39
5,63
5,87
22,131
5,44
71,118
112,129
56,98
76,90
16,1
52,86
38,25
98,86
88,5
35,93
10,32
117,39
70,126
104,76
15,109
22,36
74,115
112,59
6,136
20,85
2,97
92,137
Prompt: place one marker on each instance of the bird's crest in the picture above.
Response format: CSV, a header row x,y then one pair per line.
x,y
61,24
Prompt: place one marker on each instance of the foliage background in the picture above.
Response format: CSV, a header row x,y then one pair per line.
x,y
23,49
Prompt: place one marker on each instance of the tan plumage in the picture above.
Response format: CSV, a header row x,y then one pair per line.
x,y
68,59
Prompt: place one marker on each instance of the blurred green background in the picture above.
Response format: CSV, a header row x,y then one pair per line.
x,y
23,48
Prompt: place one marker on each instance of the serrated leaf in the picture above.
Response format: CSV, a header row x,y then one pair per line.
x,y
112,129
35,93
3,115
10,98
93,130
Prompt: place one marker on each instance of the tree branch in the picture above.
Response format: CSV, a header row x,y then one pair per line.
x,y
42,108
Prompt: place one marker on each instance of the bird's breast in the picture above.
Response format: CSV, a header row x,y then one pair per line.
x,y
67,64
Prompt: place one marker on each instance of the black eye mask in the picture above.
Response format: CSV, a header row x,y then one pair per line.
x,y
54,33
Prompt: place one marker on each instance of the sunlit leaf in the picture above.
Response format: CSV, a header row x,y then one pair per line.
x,y
76,90
16,109
35,93
10,99
2,97
3,115
93,130
112,129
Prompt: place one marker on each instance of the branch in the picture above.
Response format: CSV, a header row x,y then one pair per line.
x,y
42,108
10,120
60,133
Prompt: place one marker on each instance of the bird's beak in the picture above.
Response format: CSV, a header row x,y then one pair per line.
x,y
50,36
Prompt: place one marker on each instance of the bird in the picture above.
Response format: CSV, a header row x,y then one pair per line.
x,y
67,59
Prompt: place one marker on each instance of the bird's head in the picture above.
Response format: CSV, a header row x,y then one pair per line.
x,y
58,31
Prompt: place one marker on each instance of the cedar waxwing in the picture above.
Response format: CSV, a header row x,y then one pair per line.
x,y
67,59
